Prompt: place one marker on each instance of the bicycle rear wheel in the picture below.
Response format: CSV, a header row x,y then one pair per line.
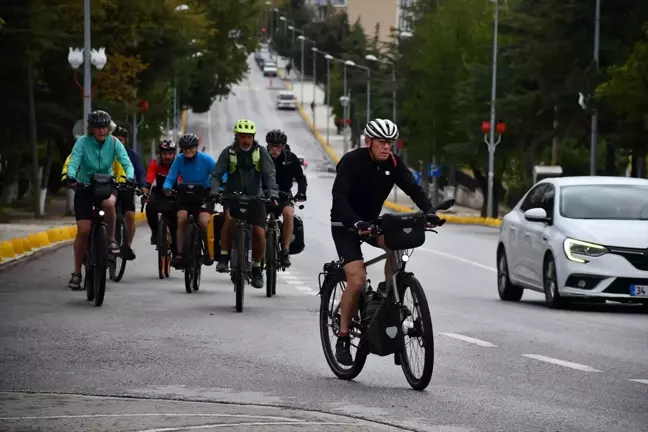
x,y
117,265
271,263
162,252
241,268
330,326
190,239
101,263
419,333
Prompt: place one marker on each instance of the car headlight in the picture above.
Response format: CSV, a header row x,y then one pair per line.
x,y
576,247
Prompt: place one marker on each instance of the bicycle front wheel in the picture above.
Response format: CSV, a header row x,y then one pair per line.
x,y
190,239
241,269
271,263
117,265
418,334
198,259
100,264
161,247
88,280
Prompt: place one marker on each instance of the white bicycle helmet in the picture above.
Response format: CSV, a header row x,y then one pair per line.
x,y
381,129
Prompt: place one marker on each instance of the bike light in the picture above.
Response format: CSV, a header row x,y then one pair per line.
x,y
101,213
576,247
405,258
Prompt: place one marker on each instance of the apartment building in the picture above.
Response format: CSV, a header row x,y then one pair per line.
x,y
386,14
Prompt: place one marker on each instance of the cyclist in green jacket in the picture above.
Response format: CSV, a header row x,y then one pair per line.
x,y
249,167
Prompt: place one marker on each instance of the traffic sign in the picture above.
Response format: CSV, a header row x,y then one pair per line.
x,y
434,171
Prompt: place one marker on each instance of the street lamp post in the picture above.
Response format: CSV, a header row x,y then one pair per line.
x,y
594,127
315,51
350,63
301,72
490,207
345,105
328,58
372,57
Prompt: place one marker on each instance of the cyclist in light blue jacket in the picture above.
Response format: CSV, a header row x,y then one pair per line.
x,y
94,153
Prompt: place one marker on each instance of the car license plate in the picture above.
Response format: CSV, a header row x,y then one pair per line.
x,y
639,290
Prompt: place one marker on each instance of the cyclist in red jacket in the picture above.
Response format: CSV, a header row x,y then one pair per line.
x,y
157,201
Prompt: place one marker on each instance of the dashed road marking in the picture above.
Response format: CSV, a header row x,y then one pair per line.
x,y
460,259
471,340
641,381
559,362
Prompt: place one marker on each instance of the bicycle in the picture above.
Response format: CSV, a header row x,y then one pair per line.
x,y
195,247
241,245
271,262
117,263
380,325
163,241
95,261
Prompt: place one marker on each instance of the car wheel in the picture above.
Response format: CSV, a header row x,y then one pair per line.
x,y
553,299
506,290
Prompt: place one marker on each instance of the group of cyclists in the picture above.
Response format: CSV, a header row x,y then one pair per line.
x,y
364,180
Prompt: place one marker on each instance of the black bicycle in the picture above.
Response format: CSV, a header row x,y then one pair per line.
x,y
117,263
95,261
241,245
384,320
271,262
163,241
195,245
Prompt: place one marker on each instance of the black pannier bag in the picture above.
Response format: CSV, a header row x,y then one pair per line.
x,y
384,330
404,231
297,244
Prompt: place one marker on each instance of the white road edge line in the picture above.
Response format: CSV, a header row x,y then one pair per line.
x,y
469,339
641,381
303,288
226,425
564,363
458,258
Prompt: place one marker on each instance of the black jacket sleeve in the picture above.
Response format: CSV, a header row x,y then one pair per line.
x,y
298,174
405,180
341,191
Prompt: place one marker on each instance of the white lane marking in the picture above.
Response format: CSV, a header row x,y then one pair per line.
x,y
460,259
287,276
564,363
470,340
303,288
293,282
80,416
285,273
225,425
642,381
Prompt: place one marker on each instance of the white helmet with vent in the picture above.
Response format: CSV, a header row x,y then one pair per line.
x,y
381,129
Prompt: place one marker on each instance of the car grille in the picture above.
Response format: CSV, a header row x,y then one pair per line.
x,y
622,285
636,257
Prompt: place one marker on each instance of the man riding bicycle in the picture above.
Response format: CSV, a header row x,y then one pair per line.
x,y
94,153
157,202
249,167
195,168
126,198
288,169
364,180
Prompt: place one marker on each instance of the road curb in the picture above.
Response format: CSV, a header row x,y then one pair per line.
x,y
23,249
465,220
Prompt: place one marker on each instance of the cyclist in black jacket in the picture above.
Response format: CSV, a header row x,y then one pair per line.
x,y
288,169
365,177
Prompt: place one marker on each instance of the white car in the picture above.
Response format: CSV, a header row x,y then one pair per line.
x,y
577,237
286,99
269,71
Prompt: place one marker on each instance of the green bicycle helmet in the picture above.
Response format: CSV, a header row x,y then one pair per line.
x,y
245,126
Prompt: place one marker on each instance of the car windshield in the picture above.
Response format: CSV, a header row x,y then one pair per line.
x,y
613,202
286,97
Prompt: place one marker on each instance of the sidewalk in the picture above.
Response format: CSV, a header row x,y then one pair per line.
x,y
322,122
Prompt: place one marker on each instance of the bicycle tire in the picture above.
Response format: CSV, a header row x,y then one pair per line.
x,y
330,284
428,335
241,259
189,258
169,249
271,263
198,260
101,264
162,248
88,282
118,268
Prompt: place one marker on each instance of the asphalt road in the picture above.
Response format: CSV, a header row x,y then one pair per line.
x,y
499,366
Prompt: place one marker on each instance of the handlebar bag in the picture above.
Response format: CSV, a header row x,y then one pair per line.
x,y
403,231
102,186
191,195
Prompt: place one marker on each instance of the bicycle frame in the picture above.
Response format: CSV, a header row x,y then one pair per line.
x,y
397,266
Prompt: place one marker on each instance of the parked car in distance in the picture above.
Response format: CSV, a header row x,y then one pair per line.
x,y
269,70
577,238
286,100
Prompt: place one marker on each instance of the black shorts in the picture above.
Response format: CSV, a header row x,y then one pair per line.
x,y
126,200
256,214
347,244
83,200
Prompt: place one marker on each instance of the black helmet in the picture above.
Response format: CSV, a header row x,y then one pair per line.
x,y
120,132
167,145
276,136
99,119
188,141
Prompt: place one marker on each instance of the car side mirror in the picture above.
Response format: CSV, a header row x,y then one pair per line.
x,y
537,215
